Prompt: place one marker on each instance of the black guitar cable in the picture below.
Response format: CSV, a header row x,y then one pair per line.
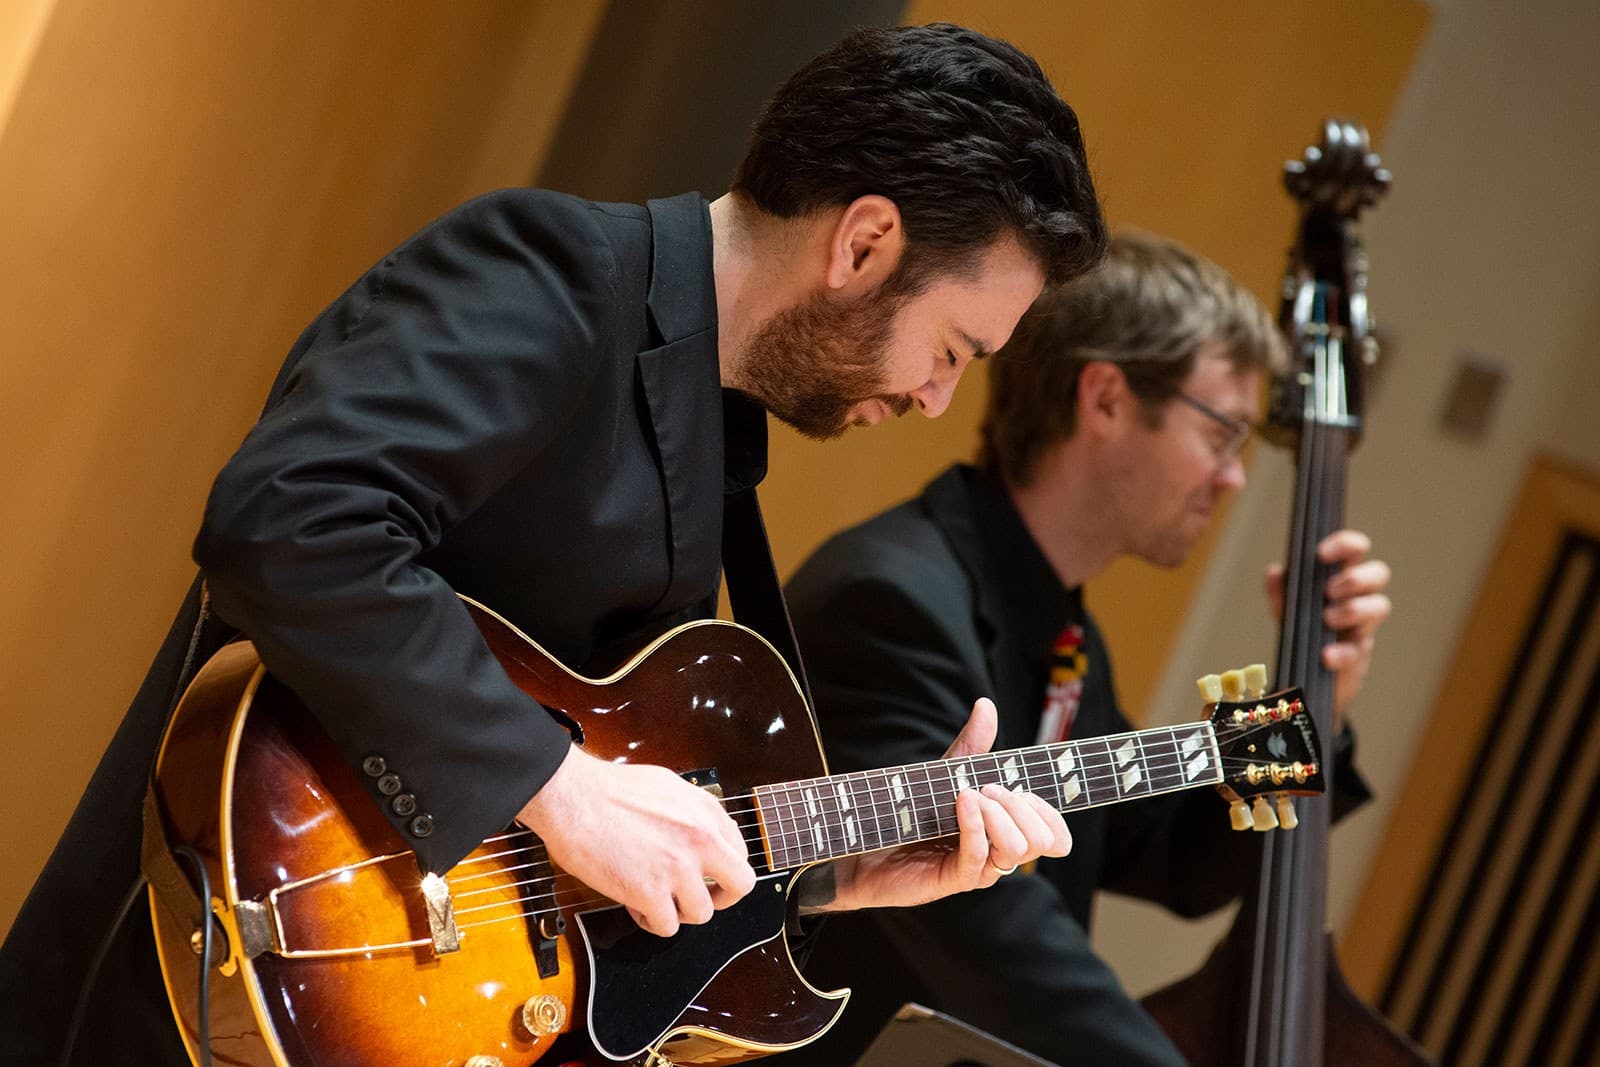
x,y
94,969
105,947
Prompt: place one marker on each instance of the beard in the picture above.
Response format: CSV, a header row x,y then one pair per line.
x,y
812,364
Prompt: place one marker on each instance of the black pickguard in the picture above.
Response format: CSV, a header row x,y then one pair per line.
x,y
640,983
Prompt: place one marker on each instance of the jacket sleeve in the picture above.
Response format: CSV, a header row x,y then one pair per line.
x,y
436,378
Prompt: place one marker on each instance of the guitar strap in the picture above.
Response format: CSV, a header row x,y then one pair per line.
x,y
173,889
753,588
171,886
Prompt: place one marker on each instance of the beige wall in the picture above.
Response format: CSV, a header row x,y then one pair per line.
x,y
22,23
182,185
1189,111
1489,243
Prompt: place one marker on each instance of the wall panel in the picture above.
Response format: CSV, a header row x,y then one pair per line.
x,y
182,185
1189,112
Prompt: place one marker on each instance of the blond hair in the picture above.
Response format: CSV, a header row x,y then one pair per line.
x,y
1149,308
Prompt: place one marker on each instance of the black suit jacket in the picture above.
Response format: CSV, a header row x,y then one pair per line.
x,y
905,620
520,403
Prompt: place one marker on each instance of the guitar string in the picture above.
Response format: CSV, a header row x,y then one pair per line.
x,y
1092,769
576,894
879,792
1222,731
543,903
539,857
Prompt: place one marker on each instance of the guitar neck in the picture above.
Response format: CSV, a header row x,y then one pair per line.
x,y
841,815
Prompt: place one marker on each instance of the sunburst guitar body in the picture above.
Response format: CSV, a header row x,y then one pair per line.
x,y
337,950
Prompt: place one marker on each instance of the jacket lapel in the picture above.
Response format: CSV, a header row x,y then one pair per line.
x,y
680,379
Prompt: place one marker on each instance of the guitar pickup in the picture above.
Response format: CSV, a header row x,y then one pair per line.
x,y
705,778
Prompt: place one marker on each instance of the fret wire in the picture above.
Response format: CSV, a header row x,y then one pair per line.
x,y
1144,763
911,801
861,778
797,841
878,780
845,810
838,843
820,823
832,824
778,832
935,803
1057,801
791,808
855,805
793,834
872,805
1156,773
1104,744
784,853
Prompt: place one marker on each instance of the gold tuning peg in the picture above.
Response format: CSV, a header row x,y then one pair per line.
x,y
1286,813
1255,680
1210,687
1240,815
1263,816
1233,684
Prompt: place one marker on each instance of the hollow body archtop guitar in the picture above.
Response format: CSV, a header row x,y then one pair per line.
x,y
336,950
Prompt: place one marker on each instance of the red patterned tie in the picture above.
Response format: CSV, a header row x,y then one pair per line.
x,y
1068,665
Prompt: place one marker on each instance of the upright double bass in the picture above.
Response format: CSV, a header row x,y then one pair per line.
x,y
1272,995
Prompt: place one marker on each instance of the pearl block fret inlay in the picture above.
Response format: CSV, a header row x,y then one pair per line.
x,y
848,814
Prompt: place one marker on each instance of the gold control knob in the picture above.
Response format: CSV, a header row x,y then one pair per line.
x,y
484,1061
543,1015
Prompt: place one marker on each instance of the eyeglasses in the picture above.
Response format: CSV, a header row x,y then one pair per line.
x,y
1238,430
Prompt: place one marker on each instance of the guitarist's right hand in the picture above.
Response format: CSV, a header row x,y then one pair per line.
x,y
642,836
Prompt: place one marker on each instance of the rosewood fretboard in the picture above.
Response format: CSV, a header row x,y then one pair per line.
x,y
817,819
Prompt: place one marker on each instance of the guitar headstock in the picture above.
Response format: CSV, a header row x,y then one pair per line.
x,y
1267,745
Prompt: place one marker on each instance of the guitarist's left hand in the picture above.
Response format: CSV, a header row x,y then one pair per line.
x,y
999,830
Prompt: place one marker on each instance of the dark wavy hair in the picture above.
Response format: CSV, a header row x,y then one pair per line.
x,y
963,132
